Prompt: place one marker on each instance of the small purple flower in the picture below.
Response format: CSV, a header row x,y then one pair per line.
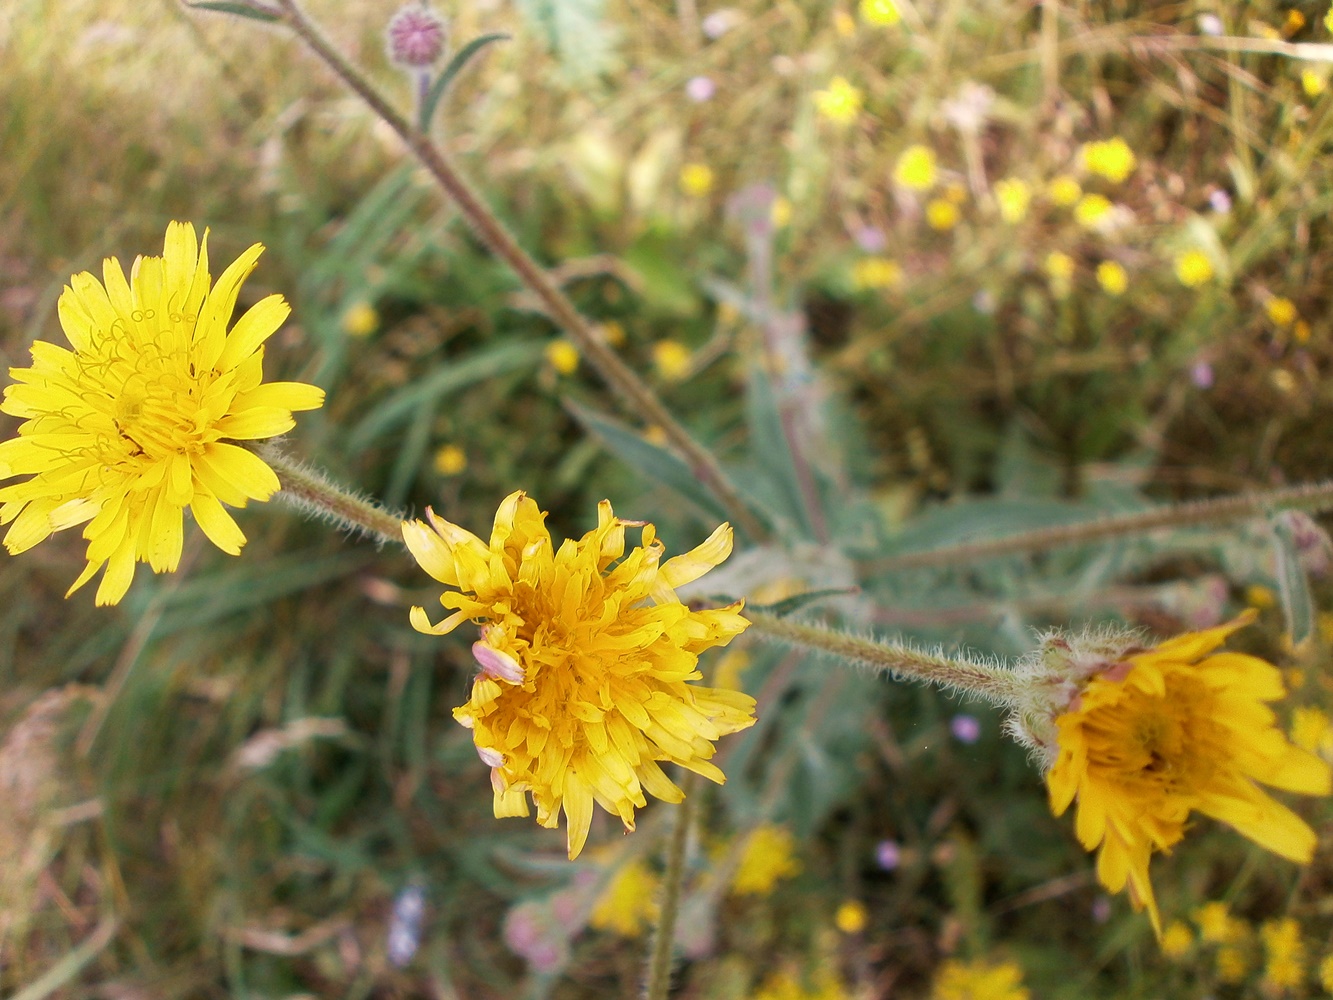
x,y
700,88
1201,374
405,925
1101,909
416,36
965,728
1219,201
871,239
888,855
718,23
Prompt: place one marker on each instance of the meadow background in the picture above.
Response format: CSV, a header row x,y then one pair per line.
x,y
245,781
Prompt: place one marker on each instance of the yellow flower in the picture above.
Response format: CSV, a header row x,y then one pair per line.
x,y
1112,159
1284,966
1311,729
360,319
1260,597
1328,20
1326,974
1112,277
916,168
1177,940
1175,729
840,103
876,272
1064,191
1013,196
1059,266
979,981
825,985
136,422
1193,268
671,358
780,213
942,214
613,333
1293,23
1300,332
851,917
562,356
769,857
1313,82
696,179
883,13
586,654
1281,311
1218,926
628,904
1231,964
1092,210
450,460
843,23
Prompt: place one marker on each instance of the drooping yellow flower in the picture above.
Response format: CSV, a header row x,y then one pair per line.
x,y
769,857
1314,82
916,168
824,984
840,103
1176,729
136,423
586,656
1231,963
1284,963
1193,268
1111,158
628,904
979,981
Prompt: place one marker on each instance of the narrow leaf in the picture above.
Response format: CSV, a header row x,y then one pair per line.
x,y
791,605
447,75
237,7
1293,586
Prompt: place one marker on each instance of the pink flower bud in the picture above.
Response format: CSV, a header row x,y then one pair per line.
x,y
417,36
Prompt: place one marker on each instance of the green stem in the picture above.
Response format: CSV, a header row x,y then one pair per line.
x,y
311,491
991,681
633,391
673,880
1312,498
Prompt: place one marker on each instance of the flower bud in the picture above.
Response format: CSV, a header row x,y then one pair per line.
x,y
417,36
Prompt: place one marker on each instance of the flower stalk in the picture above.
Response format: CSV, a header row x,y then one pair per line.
x,y
991,681
312,492
632,390
673,880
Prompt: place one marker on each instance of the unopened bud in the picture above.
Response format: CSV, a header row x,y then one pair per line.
x,y
417,36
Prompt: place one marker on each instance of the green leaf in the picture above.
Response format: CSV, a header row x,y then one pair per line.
x,y
651,461
1293,585
446,77
790,605
237,7
770,447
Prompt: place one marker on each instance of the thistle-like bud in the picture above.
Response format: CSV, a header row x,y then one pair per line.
x,y
417,36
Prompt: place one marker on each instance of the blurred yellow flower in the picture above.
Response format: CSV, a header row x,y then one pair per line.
x,y
824,985
613,333
955,192
1172,730
1284,964
916,168
1111,158
1064,191
671,358
628,904
843,23
655,435
1013,196
561,711
1218,926
138,421
979,981
360,319
882,13
780,213
696,179
840,103
1177,940
1260,597
562,356
1112,277
1300,332
1311,729
1092,210
851,917
1059,269
876,272
1328,20
942,214
1281,311
1231,964
1293,23
769,856
1326,974
1314,82
450,460
1193,268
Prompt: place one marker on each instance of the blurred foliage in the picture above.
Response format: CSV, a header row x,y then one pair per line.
x,y
225,785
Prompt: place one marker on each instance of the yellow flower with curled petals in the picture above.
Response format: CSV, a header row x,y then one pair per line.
x,y
1176,729
586,658
138,421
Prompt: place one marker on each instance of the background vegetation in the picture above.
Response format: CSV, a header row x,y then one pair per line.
x,y
239,781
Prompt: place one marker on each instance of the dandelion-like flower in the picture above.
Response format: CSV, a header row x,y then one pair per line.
x,y
1193,268
136,423
769,856
1172,730
841,102
586,657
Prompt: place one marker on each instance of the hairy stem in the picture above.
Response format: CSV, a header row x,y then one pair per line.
x,y
990,681
311,491
673,879
1312,498
632,390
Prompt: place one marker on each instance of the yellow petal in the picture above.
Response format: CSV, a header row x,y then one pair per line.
x,y
432,553
259,323
256,423
219,526
242,470
688,567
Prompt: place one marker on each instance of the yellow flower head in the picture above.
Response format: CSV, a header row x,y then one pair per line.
x,y
586,656
696,179
562,356
1314,82
876,273
1059,268
769,857
851,917
1284,965
942,214
1172,730
1112,159
1064,191
1193,268
780,213
1092,210
1012,195
1218,926
628,904
979,981
1281,311
136,423
1232,965
1112,277
1326,974
1177,940
882,13
916,169
360,319
450,460
671,358
840,103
